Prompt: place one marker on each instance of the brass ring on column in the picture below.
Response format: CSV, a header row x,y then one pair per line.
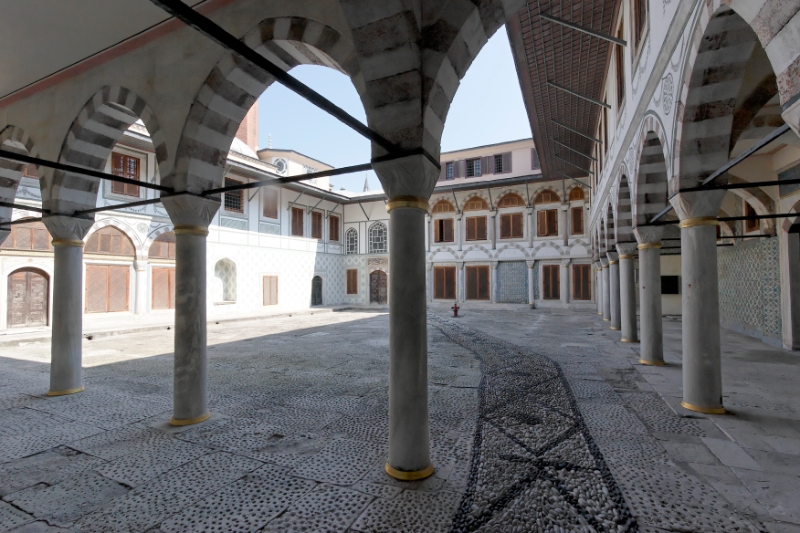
x,y
415,202
409,476
64,392
189,421
68,242
699,221
613,262
628,340
627,256
651,363
613,328
704,410
649,245
191,230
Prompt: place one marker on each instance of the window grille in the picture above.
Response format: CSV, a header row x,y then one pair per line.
x,y
443,206
473,168
28,236
125,166
476,204
109,241
377,239
449,171
351,241
511,200
511,226
233,201
498,164
546,197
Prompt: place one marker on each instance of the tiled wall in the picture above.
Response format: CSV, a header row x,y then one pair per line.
x,y
512,282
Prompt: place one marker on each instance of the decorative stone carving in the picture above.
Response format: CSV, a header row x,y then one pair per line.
x,y
697,204
189,210
414,175
627,248
70,228
668,93
612,256
648,234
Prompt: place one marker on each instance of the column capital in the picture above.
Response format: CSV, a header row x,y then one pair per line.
x,y
191,211
627,248
698,204
413,175
648,234
495,263
613,257
460,264
603,262
140,265
566,261
530,264
65,228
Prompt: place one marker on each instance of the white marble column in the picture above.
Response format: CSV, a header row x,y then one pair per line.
x,y
493,228
606,289
140,267
531,231
429,278
563,226
790,288
598,286
613,290
66,373
627,293
191,216
408,183
493,285
531,286
461,282
564,284
459,232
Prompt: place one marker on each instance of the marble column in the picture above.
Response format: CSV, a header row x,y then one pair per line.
x,y
598,286
606,289
461,288
191,216
408,183
790,288
459,232
613,290
702,364
429,280
428,233
531,286
627,293
66,373
652,336
140,267
530,228
563,226
493,228
565,284
493,284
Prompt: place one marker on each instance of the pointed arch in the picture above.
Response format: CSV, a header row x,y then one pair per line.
x,y
13,139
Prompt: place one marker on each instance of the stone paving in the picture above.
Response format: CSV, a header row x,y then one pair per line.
x,y
539,422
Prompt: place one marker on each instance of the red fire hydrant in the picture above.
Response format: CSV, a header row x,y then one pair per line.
x,y
455,309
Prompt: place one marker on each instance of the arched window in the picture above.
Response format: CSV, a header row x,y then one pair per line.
x,y
351,241
476,204
511,200
109,241
28,236
576,194
377,238
225,272
443,206
163,247
546,197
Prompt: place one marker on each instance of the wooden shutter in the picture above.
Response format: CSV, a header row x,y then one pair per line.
x,y
352,281
478,283
506,162
450,283
316,225
462,168
443,172
163,293
438,282
270,290
505,226
472,283
297,222
551,282
481,228
487,165
333,228
22,239
577,220
516,225
581,288
270,199
118,288
118,169
437,231
447,230
541,223
471,224
125,167
552,222
535,163
96,289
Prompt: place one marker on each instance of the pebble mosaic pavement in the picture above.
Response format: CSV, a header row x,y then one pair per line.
x,y
523,439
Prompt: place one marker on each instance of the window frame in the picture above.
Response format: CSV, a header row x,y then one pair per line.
x,y
577,282
370,245
449,173
477,233
347,249
229,182
317,225
440,230
572,211
474,161
264,196
550,233
301,219
334,223
750,224
549,268
141,162
477,291
440,273
348,272
510,225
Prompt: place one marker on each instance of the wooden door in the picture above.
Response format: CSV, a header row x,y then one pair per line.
x,y
107,288
444,283
478,283
581,288
163,295
378,287
316,291
28,298
551,282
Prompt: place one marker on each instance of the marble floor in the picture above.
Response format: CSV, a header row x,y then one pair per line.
x,y
540,421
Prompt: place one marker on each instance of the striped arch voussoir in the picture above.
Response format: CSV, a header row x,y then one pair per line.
x,y
12,138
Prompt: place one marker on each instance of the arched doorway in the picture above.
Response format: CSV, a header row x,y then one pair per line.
x,y
316,291
28,296
377,287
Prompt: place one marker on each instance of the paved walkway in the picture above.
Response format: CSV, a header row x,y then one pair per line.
x,y
539,422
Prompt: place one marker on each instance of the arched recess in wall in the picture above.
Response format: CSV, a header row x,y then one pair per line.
x,y
89,143
443,206
163,247
224,289
14,139
378,238
234,85
547,196
351,241
109,255
31,235
576,193
510,199
28,298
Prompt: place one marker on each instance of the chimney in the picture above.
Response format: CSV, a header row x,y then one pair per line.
x,y
248,129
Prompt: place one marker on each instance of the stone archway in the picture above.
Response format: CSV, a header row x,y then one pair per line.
x,y
28,298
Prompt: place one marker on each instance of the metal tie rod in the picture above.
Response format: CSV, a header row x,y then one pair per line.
x,y
574,179
216,33
290,179
573,150
579,95
25,207
557,123
21,158
587,31
567,161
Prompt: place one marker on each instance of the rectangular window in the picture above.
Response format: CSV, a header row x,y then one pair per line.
x,y
551,282
477,283
750,224
298,215
473,168
333,228
316,225
619,53
498,164
125,166
577,220
547,223
352,281
476,228
233,201
270,289
270,199
581,290
449,171
163,294
444,283
443,230
107,288
511,226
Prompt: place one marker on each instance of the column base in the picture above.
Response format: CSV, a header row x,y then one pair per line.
x,y
651,363
189,421
705,410
613,328
606,320
628,340
409,476
64,392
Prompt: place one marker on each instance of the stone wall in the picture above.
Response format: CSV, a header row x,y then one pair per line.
x,y
750,289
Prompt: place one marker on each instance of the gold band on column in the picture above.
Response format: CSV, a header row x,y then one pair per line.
x,y
651,363
699,221
627,256
68,242
189,421
64,392
649,245
613,262
604,266
191,230
409,476
627,340
705,410
415,202
613,328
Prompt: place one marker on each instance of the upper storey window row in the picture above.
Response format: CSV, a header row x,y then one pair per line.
x,y
474,167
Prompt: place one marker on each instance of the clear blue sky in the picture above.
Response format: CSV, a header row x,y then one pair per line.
x,y
487,109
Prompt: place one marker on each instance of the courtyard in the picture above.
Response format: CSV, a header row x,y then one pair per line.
x,y
539,422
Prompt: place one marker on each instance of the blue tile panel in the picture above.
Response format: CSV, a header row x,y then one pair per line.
x,y
512,282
